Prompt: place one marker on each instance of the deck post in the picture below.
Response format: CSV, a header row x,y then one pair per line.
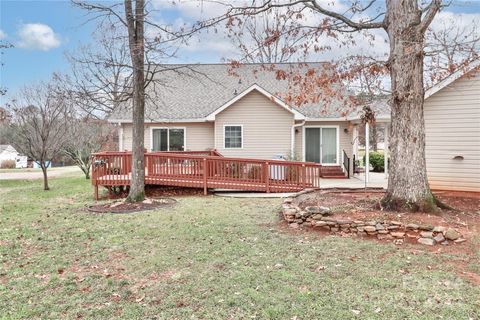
x,y
205,172
302,177
266,175
95,192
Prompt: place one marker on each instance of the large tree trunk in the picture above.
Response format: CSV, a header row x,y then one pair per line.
x,y
45,177
136,44
407,182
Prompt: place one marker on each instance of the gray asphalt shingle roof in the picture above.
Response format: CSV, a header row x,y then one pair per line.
x,y
195,91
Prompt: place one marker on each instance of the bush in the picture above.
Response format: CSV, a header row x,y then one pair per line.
x,y
376,161
7,164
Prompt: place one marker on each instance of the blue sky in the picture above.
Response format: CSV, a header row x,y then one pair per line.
x,y
43,30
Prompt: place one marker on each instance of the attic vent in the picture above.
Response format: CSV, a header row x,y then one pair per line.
x,y
235,92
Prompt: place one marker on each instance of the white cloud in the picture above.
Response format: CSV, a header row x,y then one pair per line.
x,y
37,36
3,35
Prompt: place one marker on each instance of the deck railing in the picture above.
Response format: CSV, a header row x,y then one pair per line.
x,y
207,170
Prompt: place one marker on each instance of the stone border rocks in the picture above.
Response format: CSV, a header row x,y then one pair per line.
x,y
321,217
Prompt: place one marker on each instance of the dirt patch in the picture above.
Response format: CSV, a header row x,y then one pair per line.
x,y
129,207
155,191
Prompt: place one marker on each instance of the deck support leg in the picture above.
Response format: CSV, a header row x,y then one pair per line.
x,y
205,173
95,192
267,177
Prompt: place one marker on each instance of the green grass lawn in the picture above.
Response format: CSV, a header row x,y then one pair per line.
x,y
206,258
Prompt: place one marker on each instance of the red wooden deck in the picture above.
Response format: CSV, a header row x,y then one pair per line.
x,y
206,169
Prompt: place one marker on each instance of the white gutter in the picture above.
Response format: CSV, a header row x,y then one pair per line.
x,y
292,151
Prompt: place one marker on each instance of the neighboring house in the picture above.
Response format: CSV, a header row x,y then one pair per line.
x,y
452,126
7,152
206,107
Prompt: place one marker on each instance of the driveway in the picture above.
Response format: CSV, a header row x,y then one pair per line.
x,y
30,174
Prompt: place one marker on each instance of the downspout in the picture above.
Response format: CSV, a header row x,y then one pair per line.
x,y
292,151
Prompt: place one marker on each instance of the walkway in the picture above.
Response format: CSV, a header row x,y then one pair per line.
x,y
32,174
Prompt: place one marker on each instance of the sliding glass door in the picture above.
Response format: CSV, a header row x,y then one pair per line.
x,y
312,145
168,139
321,145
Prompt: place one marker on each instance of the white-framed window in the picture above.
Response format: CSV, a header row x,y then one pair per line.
x,y
233,136
168,139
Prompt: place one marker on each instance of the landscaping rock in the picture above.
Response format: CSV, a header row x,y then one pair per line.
x,y
317,217
426,227
320,223
398,234
452,234
460,240
412,226
379,226
369,228
439,229
294,225
426,241
318,210
290,211
329,219
288,200
439,238
426,234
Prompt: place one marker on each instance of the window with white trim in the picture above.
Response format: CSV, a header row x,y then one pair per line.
x,y
168,139
233,137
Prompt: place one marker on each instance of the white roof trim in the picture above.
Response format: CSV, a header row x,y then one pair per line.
x,y
160,120
327,119
451,78
297,115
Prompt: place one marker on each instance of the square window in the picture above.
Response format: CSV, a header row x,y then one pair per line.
x,y
233,137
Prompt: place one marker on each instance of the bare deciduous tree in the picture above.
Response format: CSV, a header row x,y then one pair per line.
x,y
3,45
449,48
87,136
101,76
405,23
268,38
39,125
130,17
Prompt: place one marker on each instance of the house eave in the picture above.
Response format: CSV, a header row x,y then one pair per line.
x,y
297,115
122,121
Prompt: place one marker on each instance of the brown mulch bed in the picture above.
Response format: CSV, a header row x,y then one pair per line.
x,y
129,207
155,191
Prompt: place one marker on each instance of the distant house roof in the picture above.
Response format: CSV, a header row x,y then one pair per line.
x,y
5,147
196,92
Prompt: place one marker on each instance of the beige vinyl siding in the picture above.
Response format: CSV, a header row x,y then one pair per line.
x,y
199,136
452,126
344,138
266,127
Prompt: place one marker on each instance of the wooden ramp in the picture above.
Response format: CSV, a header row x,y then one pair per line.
x,y
207,170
